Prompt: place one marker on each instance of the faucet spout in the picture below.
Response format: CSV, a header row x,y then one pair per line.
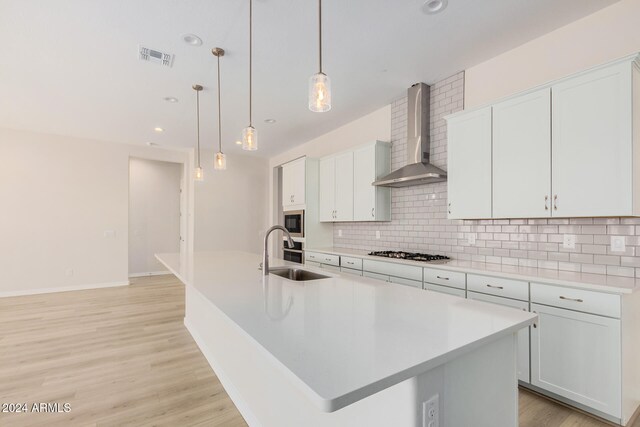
x,y
265,253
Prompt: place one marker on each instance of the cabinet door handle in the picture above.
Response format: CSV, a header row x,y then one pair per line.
x,y
555,202
449,206
571,299
373,212
535,325
494,286
546,203
444,278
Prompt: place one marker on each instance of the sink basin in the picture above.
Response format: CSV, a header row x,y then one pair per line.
x,y
296,274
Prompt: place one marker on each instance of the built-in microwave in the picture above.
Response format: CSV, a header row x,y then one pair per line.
x,y
294,223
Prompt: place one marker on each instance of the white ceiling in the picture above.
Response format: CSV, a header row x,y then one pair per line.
x,y
70,67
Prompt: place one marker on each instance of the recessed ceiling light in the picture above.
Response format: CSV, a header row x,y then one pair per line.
x,y
270,121
192,39
159,130
238,142
431,7
170,99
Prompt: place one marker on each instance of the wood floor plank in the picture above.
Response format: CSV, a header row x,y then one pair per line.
x,y
122,357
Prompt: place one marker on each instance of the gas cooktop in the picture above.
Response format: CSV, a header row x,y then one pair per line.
x,y
411,256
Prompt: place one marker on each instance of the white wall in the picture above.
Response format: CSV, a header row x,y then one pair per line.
x,y
154,213
608,34
59,195
231,205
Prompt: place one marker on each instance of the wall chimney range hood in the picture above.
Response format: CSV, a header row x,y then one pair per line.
x,y
418,169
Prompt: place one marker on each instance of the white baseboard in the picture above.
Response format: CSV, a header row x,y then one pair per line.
x,y
231,390
150,273
7,294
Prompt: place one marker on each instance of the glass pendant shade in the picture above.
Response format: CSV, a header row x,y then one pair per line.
x,y
198,174
319,93
249,139
220,161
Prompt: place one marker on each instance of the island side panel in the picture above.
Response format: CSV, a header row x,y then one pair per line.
x,y
267,396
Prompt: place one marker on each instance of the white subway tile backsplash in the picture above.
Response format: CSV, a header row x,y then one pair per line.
x,y
420,219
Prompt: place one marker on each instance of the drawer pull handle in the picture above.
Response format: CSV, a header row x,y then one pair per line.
x,y
349,262
495,287
442,278
571,299
327,259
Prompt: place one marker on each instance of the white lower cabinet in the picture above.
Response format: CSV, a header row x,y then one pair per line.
x,y
523,335
351,271
577,356
444,289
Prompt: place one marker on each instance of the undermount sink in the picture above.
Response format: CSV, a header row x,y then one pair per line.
x,y
297,274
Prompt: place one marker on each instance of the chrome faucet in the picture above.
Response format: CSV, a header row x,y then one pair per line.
x,y
265,254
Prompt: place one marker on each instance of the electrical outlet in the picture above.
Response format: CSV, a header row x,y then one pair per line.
x,y
69,272
618,244
569,241
471,238
377,234
339,233
431,412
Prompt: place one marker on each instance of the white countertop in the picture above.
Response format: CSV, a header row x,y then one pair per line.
x,y
598,282
343,338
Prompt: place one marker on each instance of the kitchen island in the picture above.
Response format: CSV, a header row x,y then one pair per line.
x,y
348,351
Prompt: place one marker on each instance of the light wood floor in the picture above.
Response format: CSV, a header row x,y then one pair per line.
x,y
122,357
119,356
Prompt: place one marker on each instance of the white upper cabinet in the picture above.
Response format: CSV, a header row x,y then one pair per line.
x,y
293,183
346,193
469,165
371,162
521,156
568,149
327,189
592,143
344,187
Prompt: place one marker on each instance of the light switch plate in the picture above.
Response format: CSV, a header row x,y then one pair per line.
x,y
471,238
339,233
377,234
569,241
618,244
109,234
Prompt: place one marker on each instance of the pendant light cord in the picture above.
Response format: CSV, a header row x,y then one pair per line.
x,y
250,62
219,111
320,33
198,122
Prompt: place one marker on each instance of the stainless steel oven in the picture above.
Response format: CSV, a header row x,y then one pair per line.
x,y
294,223
295,254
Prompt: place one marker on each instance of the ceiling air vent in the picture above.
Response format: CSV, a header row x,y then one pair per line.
x,y
152,55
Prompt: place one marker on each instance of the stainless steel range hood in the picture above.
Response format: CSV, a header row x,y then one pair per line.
x,y
418,169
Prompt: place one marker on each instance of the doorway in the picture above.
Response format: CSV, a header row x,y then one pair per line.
x,y
156,203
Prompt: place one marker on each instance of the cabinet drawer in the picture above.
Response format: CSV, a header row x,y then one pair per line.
x,y
393,269
406,282
507,288
444,289
322,258
311,263
351,271
446,278
376,276
576,299
349,262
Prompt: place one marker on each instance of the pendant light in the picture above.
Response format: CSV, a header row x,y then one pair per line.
x,y
250,134
198,174
319,83
220,161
